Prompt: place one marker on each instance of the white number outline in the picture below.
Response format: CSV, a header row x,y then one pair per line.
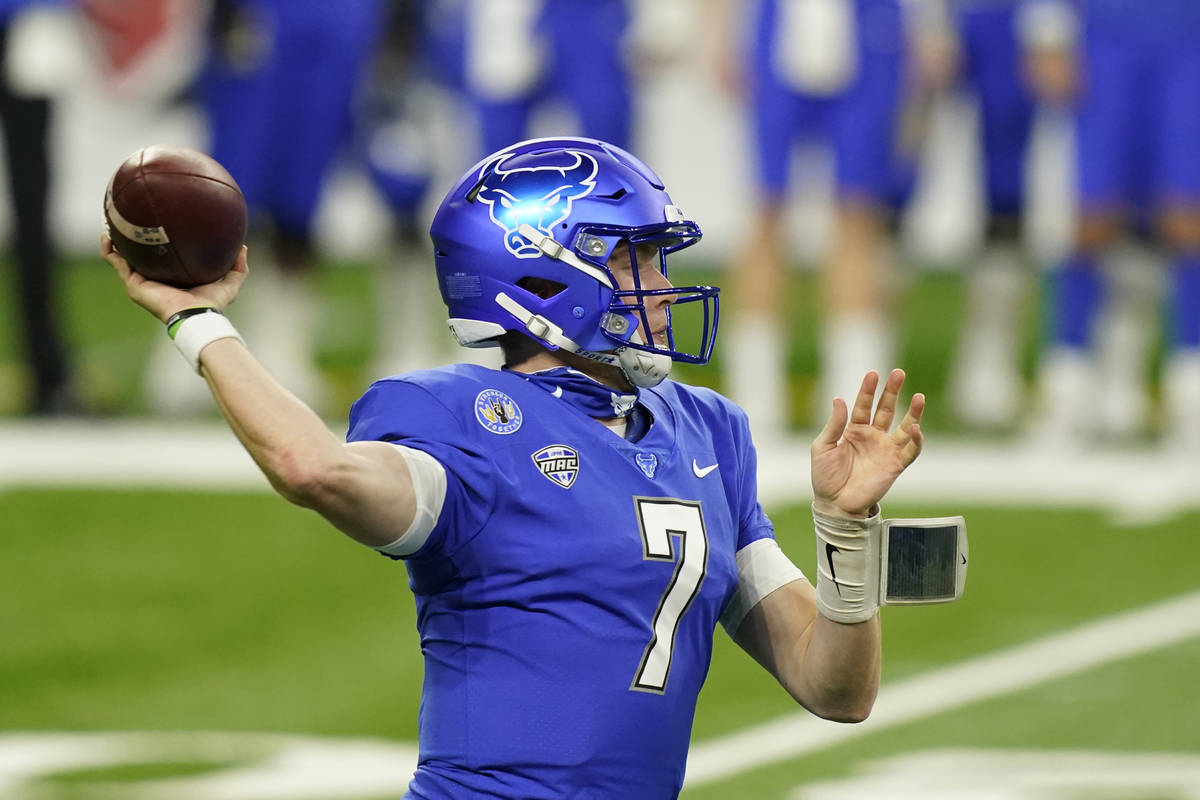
x,y
659,520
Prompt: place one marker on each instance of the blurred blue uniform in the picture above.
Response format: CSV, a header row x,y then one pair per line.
x,y
580,42
560,550
1139,116
278,90
860,120
992,66
1137,134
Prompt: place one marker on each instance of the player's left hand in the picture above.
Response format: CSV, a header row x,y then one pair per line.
x,y
162,300
856,457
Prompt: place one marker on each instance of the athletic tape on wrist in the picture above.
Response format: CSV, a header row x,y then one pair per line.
x,y
179,316
195,331
848,552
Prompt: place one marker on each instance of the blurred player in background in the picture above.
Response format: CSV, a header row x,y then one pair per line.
x,y
26,114
278,91
519,56
1138,124
992,55
836,71
574,525
393,142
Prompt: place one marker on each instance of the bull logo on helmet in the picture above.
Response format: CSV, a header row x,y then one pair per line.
x,y
540,196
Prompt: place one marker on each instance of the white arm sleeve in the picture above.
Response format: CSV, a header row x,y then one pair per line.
x,y
429,489
762,568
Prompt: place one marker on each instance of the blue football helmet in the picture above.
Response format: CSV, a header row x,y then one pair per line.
x,y
549,213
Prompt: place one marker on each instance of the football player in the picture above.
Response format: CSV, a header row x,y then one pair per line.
x,y
1137,125
834,72
992,49
26,114
277,90
574,525
520,55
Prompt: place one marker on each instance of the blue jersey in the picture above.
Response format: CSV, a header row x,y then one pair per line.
x,y
583,65
1158,20
278,93
861,120
567,597
1138,119
992,66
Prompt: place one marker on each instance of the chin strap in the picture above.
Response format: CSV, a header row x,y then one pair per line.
x,y
643,368
537,325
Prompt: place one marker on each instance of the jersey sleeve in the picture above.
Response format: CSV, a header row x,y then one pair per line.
x,y
753,523
406,413
762,566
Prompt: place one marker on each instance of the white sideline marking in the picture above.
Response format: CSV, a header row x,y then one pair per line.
x,y
1003,774
1090,645
1137,486
261,766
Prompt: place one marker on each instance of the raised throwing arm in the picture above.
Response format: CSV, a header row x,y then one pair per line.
x,y
363,488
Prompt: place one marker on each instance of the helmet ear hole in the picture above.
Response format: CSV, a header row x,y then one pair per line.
x,y
542,287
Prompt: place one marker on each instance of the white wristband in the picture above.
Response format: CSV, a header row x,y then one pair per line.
x,y
848,552
192,334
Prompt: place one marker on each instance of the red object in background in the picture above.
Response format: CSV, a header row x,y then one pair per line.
x,y
127,29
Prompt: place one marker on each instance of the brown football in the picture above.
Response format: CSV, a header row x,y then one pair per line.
x,y
176,215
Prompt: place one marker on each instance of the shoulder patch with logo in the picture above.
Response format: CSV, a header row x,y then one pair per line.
x,y
497,412
559,463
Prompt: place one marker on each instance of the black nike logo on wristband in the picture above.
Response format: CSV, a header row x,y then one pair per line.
x,y
830,549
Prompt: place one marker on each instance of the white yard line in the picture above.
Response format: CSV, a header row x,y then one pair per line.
x,y
1137,486
978,679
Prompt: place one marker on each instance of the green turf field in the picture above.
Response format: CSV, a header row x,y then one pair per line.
x,y
110,339
182,612
159,611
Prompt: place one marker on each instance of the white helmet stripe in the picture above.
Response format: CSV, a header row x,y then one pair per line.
x,y
553,249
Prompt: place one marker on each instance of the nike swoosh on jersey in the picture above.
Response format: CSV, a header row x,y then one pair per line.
x,y
702,471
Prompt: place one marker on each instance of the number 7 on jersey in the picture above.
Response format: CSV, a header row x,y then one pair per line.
x,y
660,519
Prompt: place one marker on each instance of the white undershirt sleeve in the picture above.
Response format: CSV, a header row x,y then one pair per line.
x,y
762,568
429,489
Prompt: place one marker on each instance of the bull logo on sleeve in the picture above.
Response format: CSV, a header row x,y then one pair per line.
x,y
539,195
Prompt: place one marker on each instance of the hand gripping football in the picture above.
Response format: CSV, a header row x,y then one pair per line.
x,y
176,215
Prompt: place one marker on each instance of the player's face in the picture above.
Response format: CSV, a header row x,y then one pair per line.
x,y
648,277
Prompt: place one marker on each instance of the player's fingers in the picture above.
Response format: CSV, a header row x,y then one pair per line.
x,y
110,254
241,264
885,411
834,425
861,413
916,442
903,433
